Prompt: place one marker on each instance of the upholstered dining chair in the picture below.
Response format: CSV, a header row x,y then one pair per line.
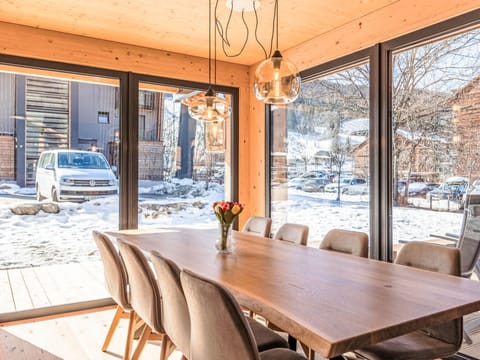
x,y
221,331
145,298
176,319
346,241
258,225
116,283
295,233
436,341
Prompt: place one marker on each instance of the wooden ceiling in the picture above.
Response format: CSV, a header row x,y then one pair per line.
x,y
181,26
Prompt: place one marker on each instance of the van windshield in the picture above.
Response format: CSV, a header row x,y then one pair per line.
x,y
82,160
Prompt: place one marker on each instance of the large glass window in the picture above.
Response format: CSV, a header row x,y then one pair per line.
x,y
58,182
184,164
436,127
319,155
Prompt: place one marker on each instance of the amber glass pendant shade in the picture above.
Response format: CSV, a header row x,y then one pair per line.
x,y
277,80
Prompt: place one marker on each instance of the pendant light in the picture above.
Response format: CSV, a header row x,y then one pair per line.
x,y
207,106
277,80
215,136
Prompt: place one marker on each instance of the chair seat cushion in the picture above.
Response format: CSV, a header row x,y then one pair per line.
x,y
281,354
412,346
266,338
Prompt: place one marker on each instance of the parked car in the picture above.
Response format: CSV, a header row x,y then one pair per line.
x,y
74,175
359,189
344,184
299,181
419,188
316,185
448,190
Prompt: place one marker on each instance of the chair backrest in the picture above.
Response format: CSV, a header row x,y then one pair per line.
x,y
440,259
116,280
469,241
144,294
295,233
346,241
176,320
258,225
218,327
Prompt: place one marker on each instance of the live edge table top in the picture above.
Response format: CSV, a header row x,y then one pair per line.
x,y
332,302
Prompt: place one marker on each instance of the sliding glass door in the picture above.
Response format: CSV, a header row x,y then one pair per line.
x,y
435,132
320,155
58,182
184,165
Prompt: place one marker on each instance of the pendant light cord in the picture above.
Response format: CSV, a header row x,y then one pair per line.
x,y
210,42
275,19
223,32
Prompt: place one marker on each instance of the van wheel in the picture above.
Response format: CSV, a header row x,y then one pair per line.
x,y
54,195
40,197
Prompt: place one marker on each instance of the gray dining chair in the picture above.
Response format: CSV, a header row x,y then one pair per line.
x,y
346,241
434,342
176,319
468,242
258,225
145,298
294,233
220,331
116,283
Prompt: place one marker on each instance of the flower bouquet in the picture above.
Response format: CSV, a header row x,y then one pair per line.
x,y
226,212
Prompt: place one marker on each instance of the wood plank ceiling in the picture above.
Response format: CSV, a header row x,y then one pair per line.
x,y
181,26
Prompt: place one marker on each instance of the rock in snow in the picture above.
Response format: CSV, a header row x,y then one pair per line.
x,y
34,208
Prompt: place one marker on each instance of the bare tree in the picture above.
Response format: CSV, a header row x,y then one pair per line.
x,y
340,151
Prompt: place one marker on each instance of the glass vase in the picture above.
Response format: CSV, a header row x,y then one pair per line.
x,y
224,242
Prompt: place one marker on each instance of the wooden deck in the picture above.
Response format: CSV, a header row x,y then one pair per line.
x,y
44,286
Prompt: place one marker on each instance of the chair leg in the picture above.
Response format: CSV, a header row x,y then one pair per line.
x,y
163,350
130,333
141,343
113,327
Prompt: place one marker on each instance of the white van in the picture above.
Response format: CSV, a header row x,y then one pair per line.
x,y
74,175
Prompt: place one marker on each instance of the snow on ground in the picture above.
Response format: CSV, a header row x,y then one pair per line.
x,y
34,240
66,237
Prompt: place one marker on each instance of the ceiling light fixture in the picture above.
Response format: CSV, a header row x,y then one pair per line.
x,y
277,80
207,106
243,5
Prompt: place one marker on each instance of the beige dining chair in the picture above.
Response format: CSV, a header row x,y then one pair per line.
x,y
258,225
176,319
116,283
220,331
346,241
434,342
145,298
295,233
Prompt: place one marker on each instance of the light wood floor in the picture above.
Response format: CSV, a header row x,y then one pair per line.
x,y
43,286
80,338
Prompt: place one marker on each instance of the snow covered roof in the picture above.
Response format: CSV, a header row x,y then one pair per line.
x,y
355,126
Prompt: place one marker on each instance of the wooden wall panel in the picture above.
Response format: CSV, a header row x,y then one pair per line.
x,y
399,18
56,46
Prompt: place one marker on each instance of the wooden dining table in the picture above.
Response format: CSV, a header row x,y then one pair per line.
x,y
331,302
